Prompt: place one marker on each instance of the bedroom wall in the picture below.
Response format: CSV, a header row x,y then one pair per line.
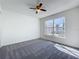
x,y
0,22
0,29
71,27
0,34
17,27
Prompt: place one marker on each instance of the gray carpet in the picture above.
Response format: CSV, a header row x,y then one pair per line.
x,y
33,49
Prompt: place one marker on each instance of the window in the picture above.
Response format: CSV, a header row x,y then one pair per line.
x,y
55,27
49,27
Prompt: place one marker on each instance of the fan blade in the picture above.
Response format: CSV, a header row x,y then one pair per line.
x,y
32,8
40,5
42,9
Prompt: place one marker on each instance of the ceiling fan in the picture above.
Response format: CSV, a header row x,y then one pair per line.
x,y
38,8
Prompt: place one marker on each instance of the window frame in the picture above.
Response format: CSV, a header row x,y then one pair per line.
x,y
53,34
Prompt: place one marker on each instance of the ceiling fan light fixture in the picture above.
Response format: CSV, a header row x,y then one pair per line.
x,y
38,8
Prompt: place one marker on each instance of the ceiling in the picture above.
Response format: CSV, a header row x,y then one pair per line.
x,y
52,6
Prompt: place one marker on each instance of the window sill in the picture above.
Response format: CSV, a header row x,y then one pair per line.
x,y
54,35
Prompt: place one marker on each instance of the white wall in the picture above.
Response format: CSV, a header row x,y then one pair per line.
x,y
0,23
16,28
71,30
